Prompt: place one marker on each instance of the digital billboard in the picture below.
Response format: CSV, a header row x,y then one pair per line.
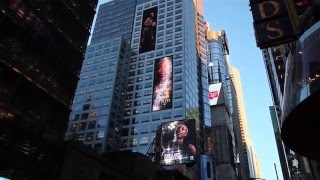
x,y
178,142
148,30
162,84
214,91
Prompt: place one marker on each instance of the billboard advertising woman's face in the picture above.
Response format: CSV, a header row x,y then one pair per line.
x,y
162,84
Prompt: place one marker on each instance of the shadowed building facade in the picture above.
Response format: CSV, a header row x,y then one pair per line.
x,y
40,60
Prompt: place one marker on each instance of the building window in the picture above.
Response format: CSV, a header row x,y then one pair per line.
x,y
144,129
147,93
93,114
82,126
144,140
145,118
125,132
147,85
178,113
90,136
139,86
134,130
129,96
80,137
76,117
127,113
133,142
177,104
128,104
124,143
134,121
155,117
100,135
85,116
148,77
154,127
73,128
92,125
126,122
167,115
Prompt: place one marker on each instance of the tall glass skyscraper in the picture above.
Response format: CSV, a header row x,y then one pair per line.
x,y
98,106
222,127
172,39
163,34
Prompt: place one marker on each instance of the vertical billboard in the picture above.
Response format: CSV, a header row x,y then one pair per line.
x,y
178,142
162,84
214,91
148,30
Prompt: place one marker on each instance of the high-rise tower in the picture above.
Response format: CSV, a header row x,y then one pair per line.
x,y
163,34
172,39
245,138
222,130
42,45
97,111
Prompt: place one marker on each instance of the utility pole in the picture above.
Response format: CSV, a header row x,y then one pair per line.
x,y
275,168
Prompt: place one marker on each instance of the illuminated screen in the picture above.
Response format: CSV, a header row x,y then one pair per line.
x,y
148,30
178,142
162,84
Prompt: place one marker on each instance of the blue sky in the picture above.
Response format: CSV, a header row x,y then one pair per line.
x,y
235,18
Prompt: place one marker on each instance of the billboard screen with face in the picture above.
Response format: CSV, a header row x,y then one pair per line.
x,y
178,142
148,30
162,84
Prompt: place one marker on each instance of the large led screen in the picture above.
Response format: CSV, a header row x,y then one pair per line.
x,y
162,84
178,142
148,30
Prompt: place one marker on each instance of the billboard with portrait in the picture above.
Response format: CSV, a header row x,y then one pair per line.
x,y
178,142
148,30
162,84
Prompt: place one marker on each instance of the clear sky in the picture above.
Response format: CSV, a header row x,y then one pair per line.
x,y
235,18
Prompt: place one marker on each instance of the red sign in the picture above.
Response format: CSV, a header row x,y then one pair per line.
x,y
213,94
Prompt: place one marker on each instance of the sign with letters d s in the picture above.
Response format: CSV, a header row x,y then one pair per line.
x,y
272,23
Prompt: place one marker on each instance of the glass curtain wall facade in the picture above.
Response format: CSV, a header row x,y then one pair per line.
x,y
281,149
98,107
222,123
173,36
218,69
292,164
205,115
114,19
97,110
